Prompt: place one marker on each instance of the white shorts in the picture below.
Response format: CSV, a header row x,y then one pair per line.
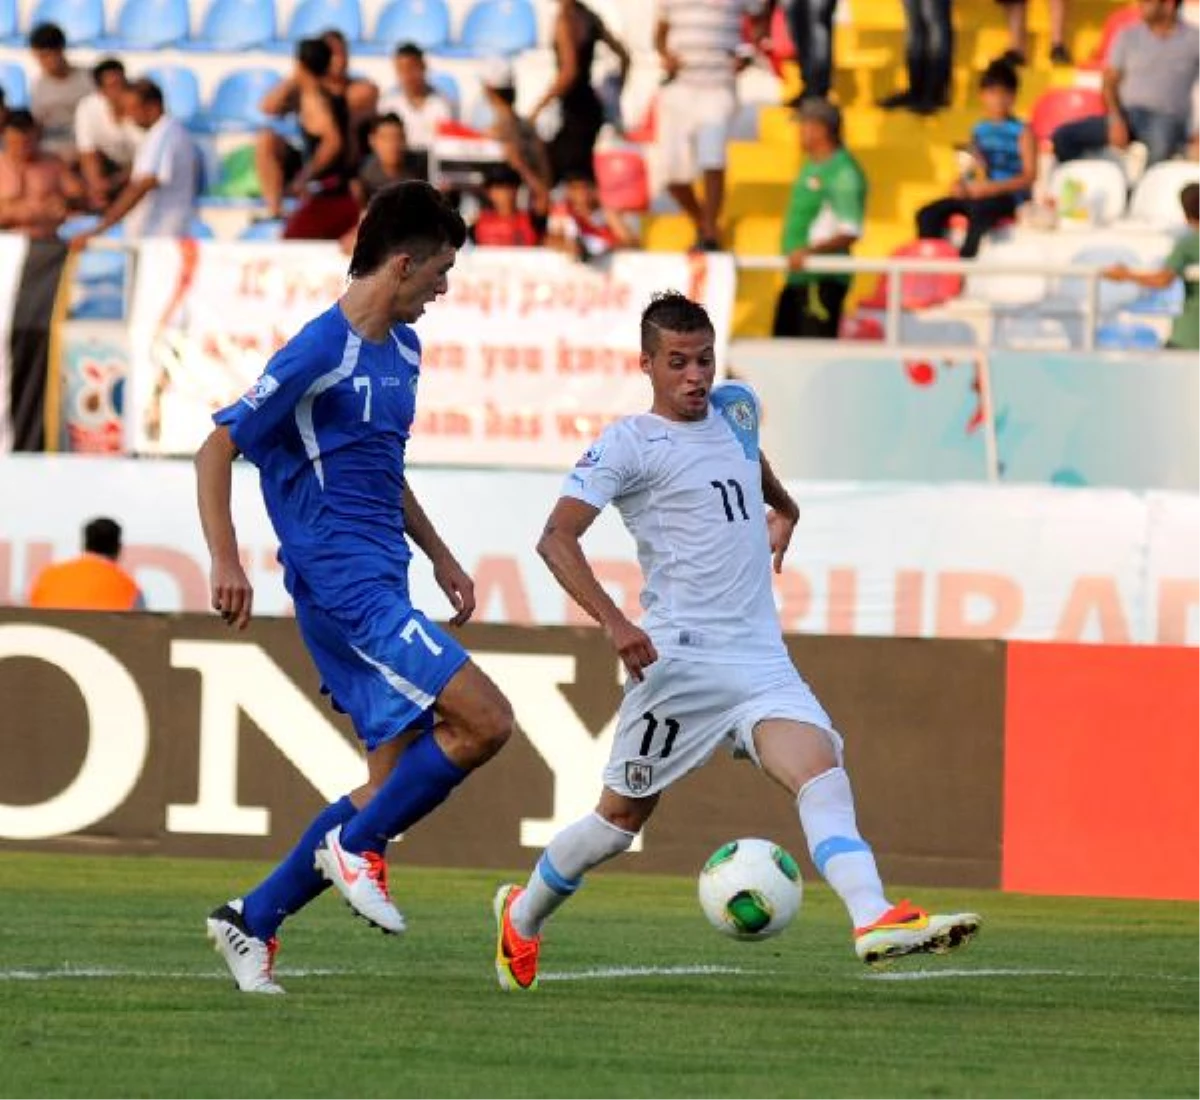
x,y
694,126
673,721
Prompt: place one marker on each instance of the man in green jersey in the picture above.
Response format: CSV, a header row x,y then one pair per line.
x,y
824,217
1185,332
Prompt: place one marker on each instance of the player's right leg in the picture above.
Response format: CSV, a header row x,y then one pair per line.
x,y
522,910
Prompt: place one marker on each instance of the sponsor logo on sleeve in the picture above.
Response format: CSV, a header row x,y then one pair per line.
x,y
260,391
590,457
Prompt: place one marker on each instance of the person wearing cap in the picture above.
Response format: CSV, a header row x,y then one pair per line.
x,y
825,216
93,581
524,151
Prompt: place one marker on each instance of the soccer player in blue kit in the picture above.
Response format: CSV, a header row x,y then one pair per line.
x,y
326,424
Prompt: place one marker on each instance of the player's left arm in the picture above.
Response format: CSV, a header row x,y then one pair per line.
x,y
783,515
451,577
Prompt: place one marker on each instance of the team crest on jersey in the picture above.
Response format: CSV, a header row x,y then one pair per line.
x,y
742,414
260,391
590,457
638,777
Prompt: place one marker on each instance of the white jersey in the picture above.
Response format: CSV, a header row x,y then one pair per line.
x,y
691,496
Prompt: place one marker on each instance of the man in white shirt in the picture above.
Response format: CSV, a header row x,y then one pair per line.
x,y
160,198
708,666
105,136
56,90
699,43
420,107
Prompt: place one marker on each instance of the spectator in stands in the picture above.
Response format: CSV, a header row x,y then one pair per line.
x,y
524,151
1185,331
56,90
361,92
824,217
583,226
577,32
93,581
1147,91
35,186
928,55
421,108
160,198
699,43
1003,164
503,222
326,161
106,138
387,162
810,23
1017,12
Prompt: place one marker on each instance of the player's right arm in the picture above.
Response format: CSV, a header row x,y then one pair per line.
x,y
232,595
560,549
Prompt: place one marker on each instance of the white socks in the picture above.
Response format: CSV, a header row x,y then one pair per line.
x,y
559,873
826,807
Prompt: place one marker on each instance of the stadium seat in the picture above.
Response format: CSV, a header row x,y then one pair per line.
x,y
1058,105
232,25
82,21
1156,198
622,179
1088,192
267,229
15,83
147,25
495,27
180,89
858,326
200,230
644,132
1112,296
424,22
314,17
1116,22
919,289
8,24
1127,336
235,103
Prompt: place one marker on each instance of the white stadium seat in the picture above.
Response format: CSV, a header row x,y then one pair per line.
x,y
1156,199
1088,192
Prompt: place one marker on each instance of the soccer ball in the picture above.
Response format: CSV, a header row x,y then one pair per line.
x,y
750,889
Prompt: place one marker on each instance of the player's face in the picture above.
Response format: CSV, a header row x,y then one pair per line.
x,y
681,374
419,282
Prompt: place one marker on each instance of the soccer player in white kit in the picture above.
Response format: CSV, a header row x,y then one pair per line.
x,y
708,665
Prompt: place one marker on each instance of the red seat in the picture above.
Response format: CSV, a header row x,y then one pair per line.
x,y
622,179
1113,26
778,46
646,130
1058,105
856,327
919,289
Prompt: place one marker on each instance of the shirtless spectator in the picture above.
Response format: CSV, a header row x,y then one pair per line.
x,y
326,161
362,93
35,186
105,137
420,107
56,90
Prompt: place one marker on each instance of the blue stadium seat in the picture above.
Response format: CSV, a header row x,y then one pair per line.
x,y
313,17
231,25
15,84
200,230
8,24
1127,336
423,22
235,103
180,89
495,27
82,21
267,229
147,25
1112,296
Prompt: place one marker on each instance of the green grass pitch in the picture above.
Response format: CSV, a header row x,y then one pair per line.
x,y
109,988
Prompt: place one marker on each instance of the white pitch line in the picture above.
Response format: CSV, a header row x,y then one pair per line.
x,y
71,973
605,972
928,975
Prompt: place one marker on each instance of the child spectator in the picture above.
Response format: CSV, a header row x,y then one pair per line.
x,y
1185,331
56,90
1003,166
502,223
582,226
387,164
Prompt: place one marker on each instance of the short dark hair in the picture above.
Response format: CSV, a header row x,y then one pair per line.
x,y
147,91
335,34
1000,74
47,36
103,536
388,119
1189,199
411,49
21,120
314,55
107,65
501,175
579,175
411,216
670,311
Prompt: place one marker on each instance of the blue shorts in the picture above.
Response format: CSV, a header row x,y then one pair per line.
x,y
385,673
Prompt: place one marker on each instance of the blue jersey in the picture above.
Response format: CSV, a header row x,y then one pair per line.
x,y
326,424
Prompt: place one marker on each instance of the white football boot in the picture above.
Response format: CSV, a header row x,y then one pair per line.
x,y
251,961
361,880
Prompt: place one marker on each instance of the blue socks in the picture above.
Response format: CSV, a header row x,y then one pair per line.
x,y
421,781
295,882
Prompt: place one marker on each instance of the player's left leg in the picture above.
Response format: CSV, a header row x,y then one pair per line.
x,y
806,759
